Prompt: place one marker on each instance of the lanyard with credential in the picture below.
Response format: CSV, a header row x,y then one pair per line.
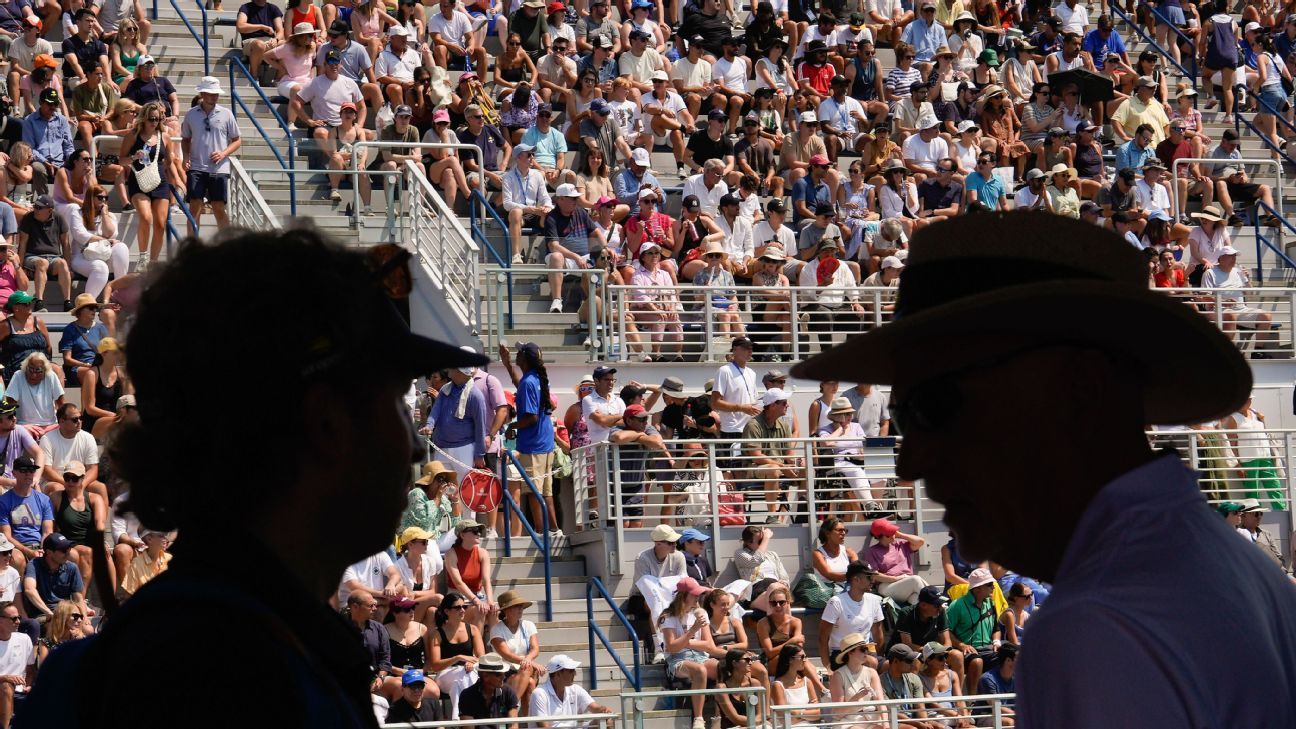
x,y
526,188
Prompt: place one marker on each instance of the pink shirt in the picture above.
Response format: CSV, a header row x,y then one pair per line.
x,y
893,560
8,279
660,277
299,67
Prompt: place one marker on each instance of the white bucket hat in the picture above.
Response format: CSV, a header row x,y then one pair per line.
x,y
209,85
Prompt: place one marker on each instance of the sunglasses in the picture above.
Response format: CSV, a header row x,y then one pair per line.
x,y
75,617
155,119
776,603
458,606
100,198
14,618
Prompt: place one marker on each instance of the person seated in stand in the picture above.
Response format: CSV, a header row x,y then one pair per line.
x,y
53,578
491,697
420,565
394,67
526,198
736,670
454,646
149,563
779,627
692,544
758,564
795,682
39,394
414,704
570,237
79,515
998,680
1235,312
892,556
900,680
845,440
856,610
517,641
973,624
853,680
925,622
686,637
454,44
940,681
19,658
560,696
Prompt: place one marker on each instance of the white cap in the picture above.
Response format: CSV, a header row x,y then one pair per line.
x,y
523,148
1252,26
640,157
567,190
772,396
978,577
1228,251
967,124
647,247
660,76
927,121
5,544
892,262
470,371
808,117
397,30
562,662
209,85
647,192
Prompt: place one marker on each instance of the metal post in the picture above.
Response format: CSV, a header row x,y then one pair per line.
x,y
811,501
589,613
615,498
708,327
592,311
504,504
796,323
714,495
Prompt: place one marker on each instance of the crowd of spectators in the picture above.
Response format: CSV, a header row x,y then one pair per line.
x,y
776,112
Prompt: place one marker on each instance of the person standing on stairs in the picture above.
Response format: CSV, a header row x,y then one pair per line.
x,y
535,432
209,135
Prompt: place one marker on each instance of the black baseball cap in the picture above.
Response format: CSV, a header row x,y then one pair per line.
x,y
601,372
824,208
776,206
339,27
859,568
25,463
55,542
931,595
691,202
742,342
49,96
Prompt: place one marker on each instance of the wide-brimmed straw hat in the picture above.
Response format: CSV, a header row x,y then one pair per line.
x,y
841,406
850,643
714,246
432,469
513,599
1053,279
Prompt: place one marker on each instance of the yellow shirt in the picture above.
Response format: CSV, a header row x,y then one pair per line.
x,y
1132,112
142,569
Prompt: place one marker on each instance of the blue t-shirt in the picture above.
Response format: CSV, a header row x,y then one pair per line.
x,y
1100,47
802,190
547,146
988,191
539,438
25,515
82,347
57,586
992,682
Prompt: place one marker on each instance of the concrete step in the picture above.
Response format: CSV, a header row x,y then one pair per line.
x,y
534,568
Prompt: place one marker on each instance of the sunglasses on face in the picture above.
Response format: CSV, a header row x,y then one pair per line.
x,y
777,603
458,606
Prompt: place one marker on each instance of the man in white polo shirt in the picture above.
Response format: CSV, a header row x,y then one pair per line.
x,y
560,696
601,409
733,396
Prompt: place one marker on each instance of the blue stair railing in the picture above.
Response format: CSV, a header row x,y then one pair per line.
x,y
1240,120
503,260
173,235
236,68
201,38
631,675
1190,71
541,539
1263,241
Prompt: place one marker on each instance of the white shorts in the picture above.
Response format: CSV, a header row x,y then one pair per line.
x,y
286,86
1248,315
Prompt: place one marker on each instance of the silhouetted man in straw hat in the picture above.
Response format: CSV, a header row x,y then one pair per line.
x,y
1024,373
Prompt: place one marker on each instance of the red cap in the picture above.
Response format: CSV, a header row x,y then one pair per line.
x,y
883,528
556,8
819,159
690,585
636,411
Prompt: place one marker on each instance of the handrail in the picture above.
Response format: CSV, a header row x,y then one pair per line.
x,y
597,279
355,161
1240,119
172,234
241,183
505,262
290,164
444,247
594,630
576,719
892,707
541,540
1190,72
203,40
1263,242
637,706
1213,162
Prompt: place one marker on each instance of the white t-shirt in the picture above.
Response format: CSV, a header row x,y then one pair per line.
x,y
453,30
35,402
16,655
735,385
370,572
848,616
812,34
59,450
1150,197
545,702
327,97
641,68
709,199
679,626
840,116
398,67
672,103
596,403
1025,198
626,115
431,563
691,74
10,584
520,641
123,523
733,74
1074,19
925,154
764,234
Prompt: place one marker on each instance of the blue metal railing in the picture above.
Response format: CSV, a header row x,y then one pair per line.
x,y
1190,70
504,261
540,540
595,631
172,233
202,39
1239,120
236,101
1263,242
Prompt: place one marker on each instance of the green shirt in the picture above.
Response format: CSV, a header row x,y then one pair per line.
x,y
970,623
90,100
758,433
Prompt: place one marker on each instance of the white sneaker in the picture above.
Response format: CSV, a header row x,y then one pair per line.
x,y
658,659
142,267
699,723
490,534
517,259
556,534
335,195
555,306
